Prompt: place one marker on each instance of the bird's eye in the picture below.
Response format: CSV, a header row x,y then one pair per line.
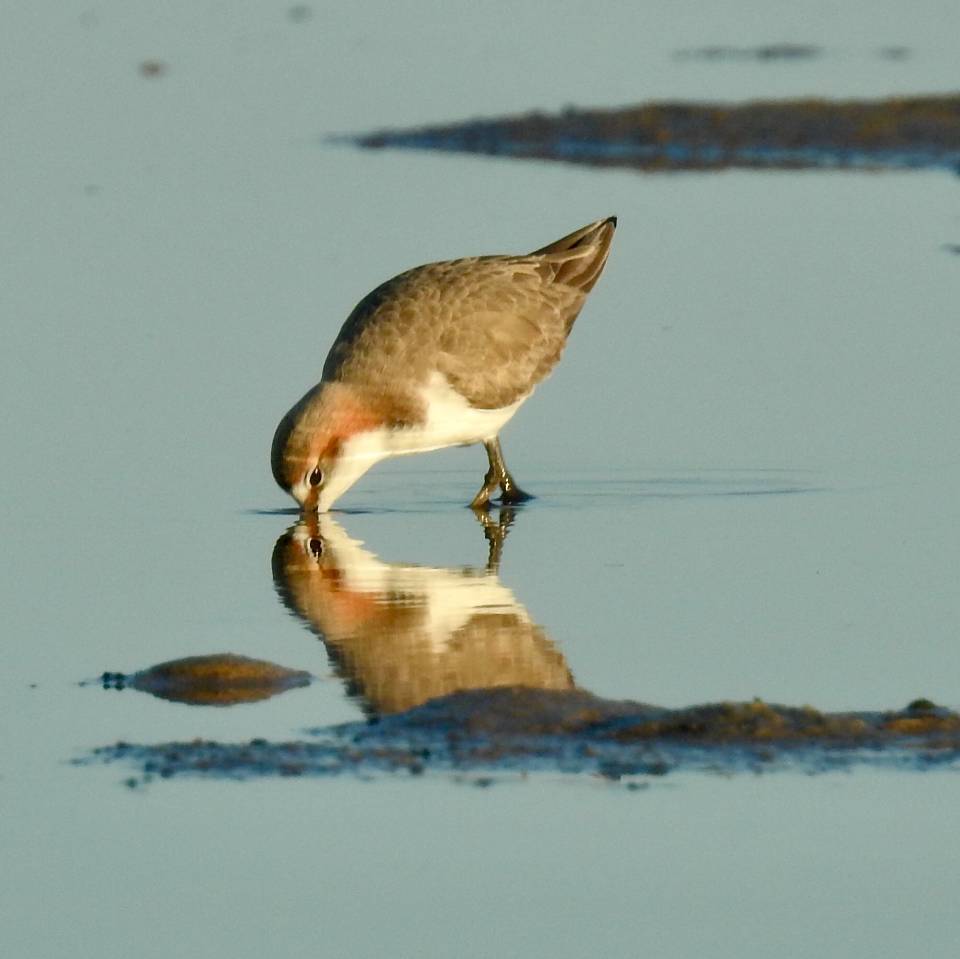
x,y
316,477
316,548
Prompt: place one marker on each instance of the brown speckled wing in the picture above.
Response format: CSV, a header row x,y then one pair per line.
x,y
494,326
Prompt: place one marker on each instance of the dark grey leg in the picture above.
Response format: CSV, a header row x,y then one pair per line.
x,y
498,475
511,492
490,483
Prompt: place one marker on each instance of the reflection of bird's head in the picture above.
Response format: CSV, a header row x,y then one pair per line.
x,y
404,634
309,574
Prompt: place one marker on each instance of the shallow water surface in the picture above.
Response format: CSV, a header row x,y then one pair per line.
x,y
746,468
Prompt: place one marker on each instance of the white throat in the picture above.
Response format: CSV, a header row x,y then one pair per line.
x,y
357,455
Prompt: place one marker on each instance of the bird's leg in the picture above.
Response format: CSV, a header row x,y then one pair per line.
x,y
511,492
490,483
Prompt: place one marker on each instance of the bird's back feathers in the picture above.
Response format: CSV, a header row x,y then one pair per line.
x,y
494,326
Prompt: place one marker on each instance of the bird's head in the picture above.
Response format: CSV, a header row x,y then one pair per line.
x,y
315,455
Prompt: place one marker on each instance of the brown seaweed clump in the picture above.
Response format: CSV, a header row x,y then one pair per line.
x,y
222,679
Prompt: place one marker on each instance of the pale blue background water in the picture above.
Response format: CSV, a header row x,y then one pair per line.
x,y
177,254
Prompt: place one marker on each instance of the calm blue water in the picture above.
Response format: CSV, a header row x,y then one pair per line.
x,y
747,467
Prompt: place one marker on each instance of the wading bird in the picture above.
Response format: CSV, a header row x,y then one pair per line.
x,y
442,355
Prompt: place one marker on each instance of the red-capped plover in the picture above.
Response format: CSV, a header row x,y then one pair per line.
x,y
442,355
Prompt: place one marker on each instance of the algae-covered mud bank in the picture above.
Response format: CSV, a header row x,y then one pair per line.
x,y
895,133
513,730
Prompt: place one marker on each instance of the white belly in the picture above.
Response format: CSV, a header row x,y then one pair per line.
x,y
451,421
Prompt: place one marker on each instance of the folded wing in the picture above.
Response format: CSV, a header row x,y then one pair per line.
x,y
493,326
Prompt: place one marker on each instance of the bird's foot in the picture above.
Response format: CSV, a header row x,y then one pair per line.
x,y
482,500
512,495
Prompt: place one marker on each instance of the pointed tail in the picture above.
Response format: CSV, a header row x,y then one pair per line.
x,y
578,259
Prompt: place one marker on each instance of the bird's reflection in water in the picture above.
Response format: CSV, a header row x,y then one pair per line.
x,y
402,634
